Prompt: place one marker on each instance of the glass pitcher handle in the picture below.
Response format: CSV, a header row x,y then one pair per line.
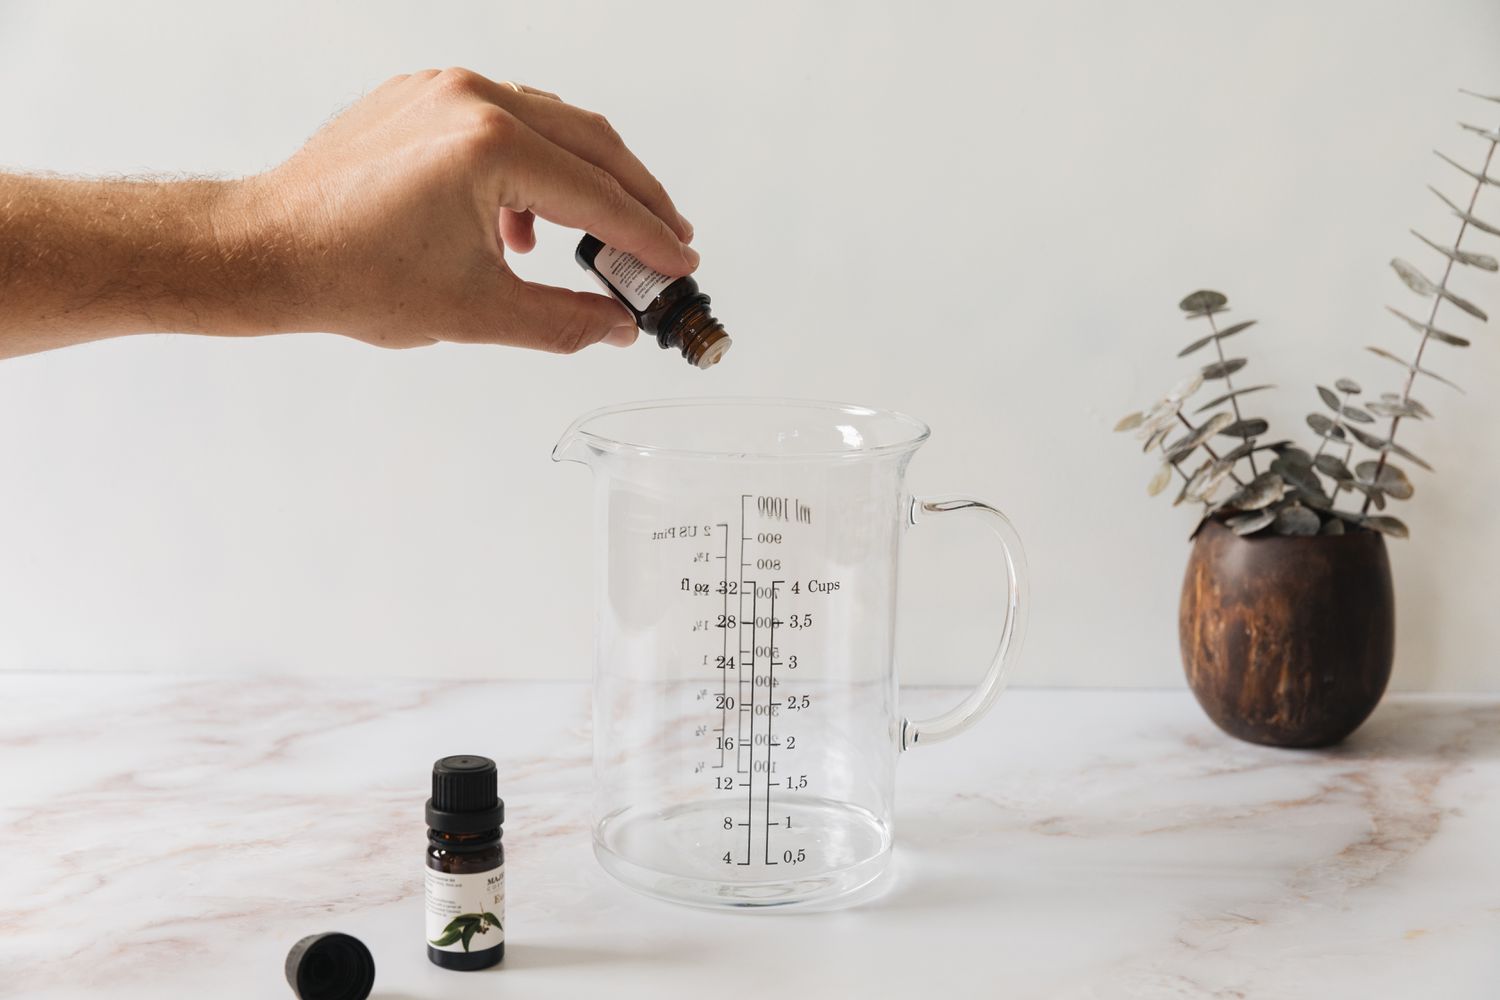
x,y
968,711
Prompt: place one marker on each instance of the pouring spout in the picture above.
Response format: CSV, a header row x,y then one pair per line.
x,y
572,446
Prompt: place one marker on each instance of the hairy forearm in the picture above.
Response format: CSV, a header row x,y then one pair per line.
x,y
83,260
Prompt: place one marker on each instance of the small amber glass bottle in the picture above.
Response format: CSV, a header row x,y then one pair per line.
x,y
673,310
465,884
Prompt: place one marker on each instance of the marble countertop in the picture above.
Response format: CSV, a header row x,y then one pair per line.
x,y
172,837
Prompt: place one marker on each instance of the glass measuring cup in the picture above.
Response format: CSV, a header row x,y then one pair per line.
x,y
746,719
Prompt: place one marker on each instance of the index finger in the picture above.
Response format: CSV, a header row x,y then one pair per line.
x,y
541,177
591,137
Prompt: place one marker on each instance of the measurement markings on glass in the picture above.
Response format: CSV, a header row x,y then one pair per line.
x,y
770,707
723,729
739,659
750,783
755,661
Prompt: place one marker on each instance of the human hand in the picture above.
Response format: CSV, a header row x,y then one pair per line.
x,y
391,224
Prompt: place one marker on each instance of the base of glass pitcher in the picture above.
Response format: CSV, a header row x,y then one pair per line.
x,y
828,887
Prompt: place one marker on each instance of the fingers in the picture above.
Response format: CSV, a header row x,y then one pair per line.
x,y
521,88
537,175
590,137
564,321
517,230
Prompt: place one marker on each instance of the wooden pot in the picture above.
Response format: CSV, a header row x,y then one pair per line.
x,y
1288,641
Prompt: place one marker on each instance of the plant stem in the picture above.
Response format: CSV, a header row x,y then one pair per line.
x,y
1209,448
1234,401
1437,302
1175,465
1338,487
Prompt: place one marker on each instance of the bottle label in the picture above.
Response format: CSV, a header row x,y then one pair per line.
x,y
466,912
628,278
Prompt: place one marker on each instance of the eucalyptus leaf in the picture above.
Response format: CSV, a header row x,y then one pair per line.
x,y
1163,414
1333,526
1160,416
1130,422
1381,408
1369,440
1476,175
1230,331
1493,135
1249,524
1331,398
1243,449
1465,305
1157,437
1183,446
1387,526
1376,496
1201,342
1296,520
1160,480
1194,484
1482,261
1348,385
1262,491
1154,427
468,934
1300,477
1333,467
1452,340
1182,390
1386,444
1203,303
1247,428
1482,97
1218,474
1357,415
492,920
1414,279
1391,480
1383,353
1443,335
1223,369
1231,395
1396,398
1317,501
1323,427
449,937
1295,457
1468,217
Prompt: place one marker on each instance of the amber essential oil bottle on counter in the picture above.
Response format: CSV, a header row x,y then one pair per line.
x,y
465,884
673,310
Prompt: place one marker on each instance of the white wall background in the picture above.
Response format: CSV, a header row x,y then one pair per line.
x,y
980,213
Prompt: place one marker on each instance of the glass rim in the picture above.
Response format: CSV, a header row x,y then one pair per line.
x,y
917,430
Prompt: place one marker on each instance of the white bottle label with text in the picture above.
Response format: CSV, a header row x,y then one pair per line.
x,y
634,281
466,913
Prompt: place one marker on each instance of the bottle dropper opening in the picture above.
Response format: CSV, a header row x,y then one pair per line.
x,y
714,351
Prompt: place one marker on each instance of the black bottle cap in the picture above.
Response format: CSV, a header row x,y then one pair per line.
x,y
330,967
464,797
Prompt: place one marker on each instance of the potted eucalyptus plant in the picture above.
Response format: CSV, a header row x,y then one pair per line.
x,y
1287,619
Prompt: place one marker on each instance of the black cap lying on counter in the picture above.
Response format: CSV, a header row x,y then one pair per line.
x,y
330,967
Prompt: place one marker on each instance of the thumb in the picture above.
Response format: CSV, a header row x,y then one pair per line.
x,y
562,321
